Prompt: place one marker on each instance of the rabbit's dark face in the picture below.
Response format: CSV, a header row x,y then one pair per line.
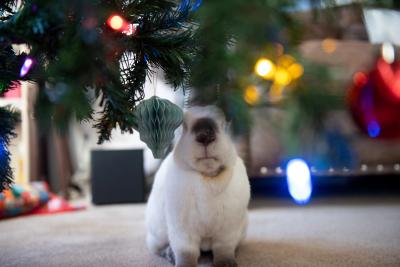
x,y
204,144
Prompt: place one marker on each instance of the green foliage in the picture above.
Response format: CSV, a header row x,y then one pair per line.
x,y
10,65
232,34
77,56
306,109
8,119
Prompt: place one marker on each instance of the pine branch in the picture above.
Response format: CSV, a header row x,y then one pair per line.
x,y
8,120
76,51
10,65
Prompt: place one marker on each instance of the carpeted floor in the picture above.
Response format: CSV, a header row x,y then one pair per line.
x,y
328,232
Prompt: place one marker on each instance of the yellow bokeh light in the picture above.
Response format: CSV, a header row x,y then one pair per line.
x,y
286,61
282,76
296,70
251,95
265,68
329,45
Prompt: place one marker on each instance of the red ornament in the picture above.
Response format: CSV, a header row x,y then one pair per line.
x,y
374,100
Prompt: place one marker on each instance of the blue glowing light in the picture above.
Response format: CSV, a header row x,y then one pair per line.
x,y
374,129
2,149
299,180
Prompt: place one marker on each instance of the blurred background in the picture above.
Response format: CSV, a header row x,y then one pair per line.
x,y
323,89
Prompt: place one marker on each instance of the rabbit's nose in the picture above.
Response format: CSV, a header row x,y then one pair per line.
x,y
205,131
205,137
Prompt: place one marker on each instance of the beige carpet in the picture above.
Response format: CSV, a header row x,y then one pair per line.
x,y
330,232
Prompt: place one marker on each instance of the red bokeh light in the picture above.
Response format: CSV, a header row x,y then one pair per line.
x,y
116,22
360,78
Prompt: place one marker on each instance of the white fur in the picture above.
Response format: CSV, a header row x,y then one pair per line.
x,y
189,208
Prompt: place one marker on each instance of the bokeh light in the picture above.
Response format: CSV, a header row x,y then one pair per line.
x,y
251,95
299,180
373,129
265,68
388,52
296,70
360,78
286,61
26,67
282,76
329,45
116,22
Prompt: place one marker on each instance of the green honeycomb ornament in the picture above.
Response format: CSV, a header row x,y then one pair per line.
x,y
156,120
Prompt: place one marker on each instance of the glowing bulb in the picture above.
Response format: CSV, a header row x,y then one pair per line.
x,y
282,76
26,67
296,70
329,45
360,78
264,170
286,61
388,52
374,129
2,150
299,180
116,22
265,68
251,95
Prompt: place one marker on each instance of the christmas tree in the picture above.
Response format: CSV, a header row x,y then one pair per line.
x,y
84,50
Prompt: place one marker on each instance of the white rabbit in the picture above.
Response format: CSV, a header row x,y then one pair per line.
x,y
200,195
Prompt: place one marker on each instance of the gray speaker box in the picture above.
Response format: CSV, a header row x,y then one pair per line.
x,y
117,176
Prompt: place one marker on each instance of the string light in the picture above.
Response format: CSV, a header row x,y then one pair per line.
x,y
396,167
116,22
379,167
296,70
263,170
265,68
374,129
329,45
364,167
388,52
286,61
299,180
282,76
360,78
251,94
28,63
